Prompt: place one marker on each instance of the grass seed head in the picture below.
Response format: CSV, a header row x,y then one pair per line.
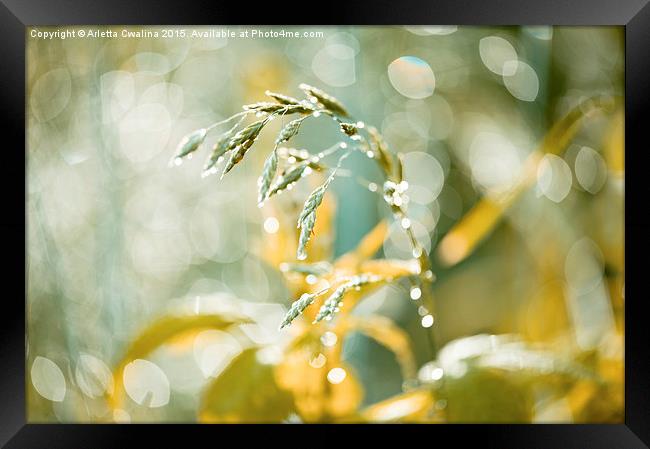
x,y
190,143
268,174
264,106
299,306
314,200
242,141
282,99
289,130
332,304
307,228
327,101
302,108
349,129
290,177
218,151
220,148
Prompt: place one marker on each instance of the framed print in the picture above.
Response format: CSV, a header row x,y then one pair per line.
x,y
413,216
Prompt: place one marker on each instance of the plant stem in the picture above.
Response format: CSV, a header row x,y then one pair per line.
x,y
393,172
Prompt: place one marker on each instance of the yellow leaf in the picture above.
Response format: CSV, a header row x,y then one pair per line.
x,y
245,392
165,330
316,398
461,240
414,406
390,269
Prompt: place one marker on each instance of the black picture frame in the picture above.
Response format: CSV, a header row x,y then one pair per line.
x,y
15,15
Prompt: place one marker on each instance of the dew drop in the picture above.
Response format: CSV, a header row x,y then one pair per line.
x,y
427,321
416,293
318,361
336,375
271,225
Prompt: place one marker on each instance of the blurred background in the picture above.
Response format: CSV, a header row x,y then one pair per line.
x,y
117,239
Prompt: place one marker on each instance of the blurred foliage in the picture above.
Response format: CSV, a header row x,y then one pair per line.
x,y
155,295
